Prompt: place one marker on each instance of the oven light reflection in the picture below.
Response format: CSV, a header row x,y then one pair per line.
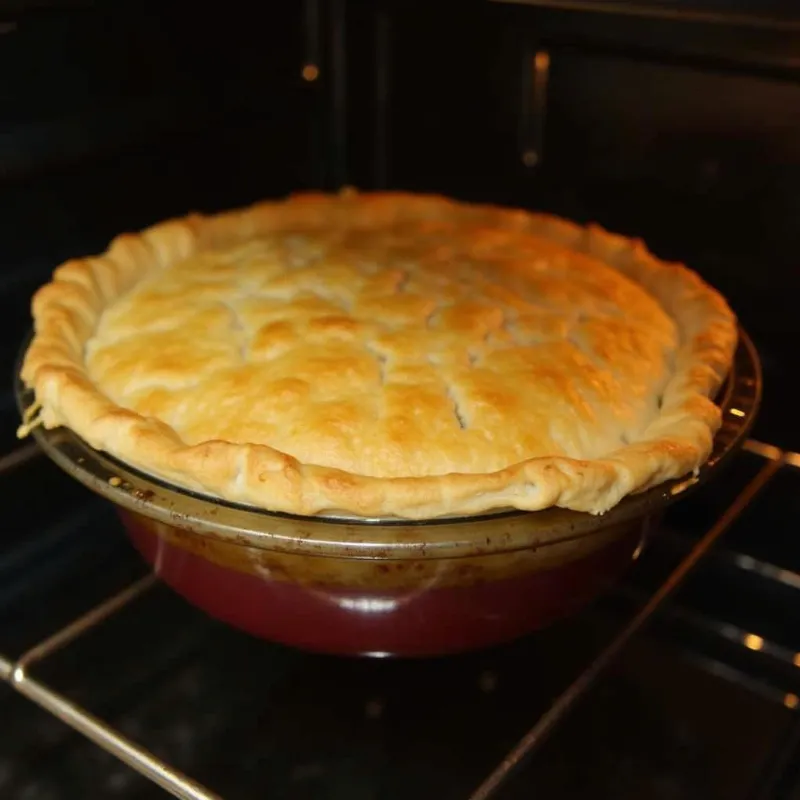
x,y
310,72
368,605
791,700
638,551
737,412
753,642
541,61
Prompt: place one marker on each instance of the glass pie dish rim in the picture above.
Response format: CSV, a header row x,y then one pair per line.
x,y
500,531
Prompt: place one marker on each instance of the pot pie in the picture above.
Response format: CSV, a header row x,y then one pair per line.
x,y
384,355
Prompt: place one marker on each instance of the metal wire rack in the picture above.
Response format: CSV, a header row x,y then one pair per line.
x,y
20,673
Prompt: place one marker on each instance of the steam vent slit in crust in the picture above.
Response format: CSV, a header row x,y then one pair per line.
x,y
385,355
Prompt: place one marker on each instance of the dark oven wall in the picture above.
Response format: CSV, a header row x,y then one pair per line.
x,y
115,115
684,133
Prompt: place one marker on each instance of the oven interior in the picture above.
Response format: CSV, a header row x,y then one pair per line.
x,y
677,122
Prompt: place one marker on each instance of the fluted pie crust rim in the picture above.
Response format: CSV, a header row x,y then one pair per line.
x,y
679,439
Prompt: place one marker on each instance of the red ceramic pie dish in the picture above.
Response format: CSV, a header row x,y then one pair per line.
x,y
385,586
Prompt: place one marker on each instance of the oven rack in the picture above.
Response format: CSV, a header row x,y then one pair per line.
x,y
19,672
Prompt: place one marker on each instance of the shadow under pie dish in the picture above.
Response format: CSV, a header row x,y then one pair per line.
x,y
380,384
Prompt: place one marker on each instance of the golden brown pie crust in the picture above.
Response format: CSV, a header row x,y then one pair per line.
x,y
385,355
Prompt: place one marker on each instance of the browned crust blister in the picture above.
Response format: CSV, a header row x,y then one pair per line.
x,y
67,310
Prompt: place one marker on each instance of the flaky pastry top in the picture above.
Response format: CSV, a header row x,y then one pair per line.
x,y
385,355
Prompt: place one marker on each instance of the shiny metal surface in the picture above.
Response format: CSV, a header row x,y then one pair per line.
x,y
177,784
72,631
539,733
95,729
17,675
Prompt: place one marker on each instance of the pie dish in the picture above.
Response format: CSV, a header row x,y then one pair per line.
x,y
384,355
388,586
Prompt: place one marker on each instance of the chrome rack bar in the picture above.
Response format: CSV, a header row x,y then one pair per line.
x,y
136,757
19,456
179,785
545,725
768,451
772,453
83,623
106,737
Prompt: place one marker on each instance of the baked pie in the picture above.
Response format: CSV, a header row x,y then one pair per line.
x,y
384,355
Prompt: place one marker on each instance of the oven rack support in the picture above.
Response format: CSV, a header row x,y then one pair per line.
x,y
17,672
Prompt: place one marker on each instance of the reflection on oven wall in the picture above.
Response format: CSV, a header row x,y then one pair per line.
x,y
686,134
114,115
671,148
